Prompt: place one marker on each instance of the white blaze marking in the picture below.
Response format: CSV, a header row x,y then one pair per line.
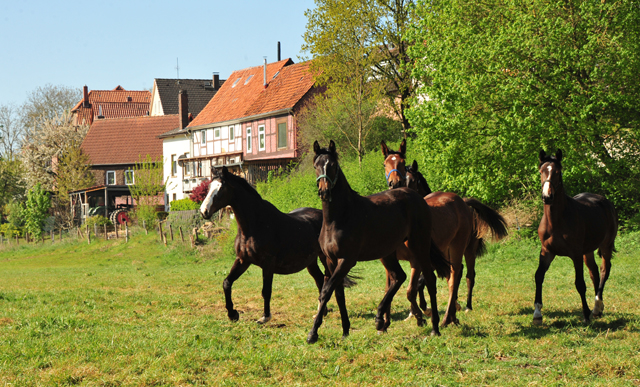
x,y
547,185
393,158
538,312
213,190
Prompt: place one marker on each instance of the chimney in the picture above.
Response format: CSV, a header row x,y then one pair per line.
x,y
216,80
183,109
85,96
278,51
264,72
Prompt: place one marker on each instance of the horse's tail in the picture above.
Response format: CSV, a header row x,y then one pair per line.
x,y
350,281
486,218
440,264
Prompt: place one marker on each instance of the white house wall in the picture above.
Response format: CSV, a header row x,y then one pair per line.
x,y
178,145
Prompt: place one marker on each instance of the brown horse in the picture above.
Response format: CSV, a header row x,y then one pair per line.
x,y
278,243
574,227
357,228
459,226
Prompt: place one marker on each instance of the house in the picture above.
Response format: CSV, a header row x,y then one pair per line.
x,y
200,91
116,103
250,125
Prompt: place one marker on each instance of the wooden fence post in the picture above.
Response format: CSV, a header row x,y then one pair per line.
x,y
17,240
115,227
95,230
52,236
88,236
126,232
106,236
193,243
171,231
144,225
162,239
181,235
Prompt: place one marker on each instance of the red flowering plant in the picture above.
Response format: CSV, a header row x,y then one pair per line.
x,y
200,192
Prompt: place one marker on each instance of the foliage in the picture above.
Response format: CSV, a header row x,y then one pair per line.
x,y
11,184
97,220
184,205
339,37
8,230
46,103
74,172
36,210
502,79
200,192
148,190
10,130
16,214
54,138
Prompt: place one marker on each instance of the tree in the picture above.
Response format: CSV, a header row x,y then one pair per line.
x,y
43,149
11,184
36,210
73,172
47,102
148,188
339,37
10,130
502,79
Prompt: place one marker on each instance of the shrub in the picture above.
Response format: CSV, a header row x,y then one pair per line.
x,y
8,230
98,220
146,214
184,205
200,192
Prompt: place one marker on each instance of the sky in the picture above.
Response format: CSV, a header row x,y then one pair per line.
x,y
103,44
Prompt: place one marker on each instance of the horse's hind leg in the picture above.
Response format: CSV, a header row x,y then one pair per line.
x,y
595,278
581,286
412,290
455,255
430,279
396,277
236,271
605,270
267,287
470,259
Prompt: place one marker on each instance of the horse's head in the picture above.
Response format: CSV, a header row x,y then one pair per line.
x,y
550,175
218,195
416,181
325,162
394,165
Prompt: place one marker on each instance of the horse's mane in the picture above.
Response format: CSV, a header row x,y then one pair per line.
x,y
326,151
393,152
245,184
550,159
421,180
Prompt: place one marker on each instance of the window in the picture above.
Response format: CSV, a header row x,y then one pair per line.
x,y
187,165
248,79
248,140
198,171
203,137
282,135
216,133
235,82
174,197
111,177
231,134
174,166
128,177
261,145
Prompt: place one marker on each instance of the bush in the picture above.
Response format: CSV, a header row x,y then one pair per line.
x,y
146,214
8,230
183,205
98,220
200,192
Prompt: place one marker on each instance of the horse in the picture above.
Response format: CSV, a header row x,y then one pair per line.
x,y
278,243
357,228
461,225
573,227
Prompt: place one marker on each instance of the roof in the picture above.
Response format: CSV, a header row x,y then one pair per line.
x,y
126,140
116,103
244,88
200,92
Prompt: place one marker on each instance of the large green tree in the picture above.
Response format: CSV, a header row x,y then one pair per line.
x,y
501,79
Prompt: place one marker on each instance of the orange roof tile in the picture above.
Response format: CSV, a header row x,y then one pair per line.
x,y
115,103
126,140
236,96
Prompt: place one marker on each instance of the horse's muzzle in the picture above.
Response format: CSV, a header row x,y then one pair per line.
x,y
547,199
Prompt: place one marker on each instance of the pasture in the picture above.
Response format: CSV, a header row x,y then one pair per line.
x,y
142,314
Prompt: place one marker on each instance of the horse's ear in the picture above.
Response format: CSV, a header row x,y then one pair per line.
x,y
541,156
385,149
559,155
414,166
332,146
316,147
403,147
224,171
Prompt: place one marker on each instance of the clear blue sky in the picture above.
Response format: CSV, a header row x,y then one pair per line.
x,y
107,43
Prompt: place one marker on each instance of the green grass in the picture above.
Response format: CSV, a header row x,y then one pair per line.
x,y
142,314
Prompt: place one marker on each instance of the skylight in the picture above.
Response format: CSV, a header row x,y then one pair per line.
x,y
275,75
248,79
236,81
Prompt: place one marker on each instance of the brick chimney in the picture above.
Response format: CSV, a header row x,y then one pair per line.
x,y
183,109
216,80
85,96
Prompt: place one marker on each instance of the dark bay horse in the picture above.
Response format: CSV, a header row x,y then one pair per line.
x,y
459,225
278,243
574,227
357,228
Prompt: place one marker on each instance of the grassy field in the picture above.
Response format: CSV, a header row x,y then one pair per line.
x,y
142,314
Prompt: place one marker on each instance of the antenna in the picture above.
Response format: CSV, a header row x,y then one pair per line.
x,y
177,68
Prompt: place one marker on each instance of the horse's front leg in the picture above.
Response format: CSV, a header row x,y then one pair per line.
x,y
581,286
267,286
412,291
396,277
236,271
430,279
337,276
546,258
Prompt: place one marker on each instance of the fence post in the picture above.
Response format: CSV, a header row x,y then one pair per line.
x,y
95,230
17,240
88,236
126,232
115,227
181,235
144,225
60,234
106,236
162,239
52,236
193,244
171,231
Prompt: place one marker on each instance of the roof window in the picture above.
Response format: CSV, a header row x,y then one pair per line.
x,y
236,81
248,79
275,75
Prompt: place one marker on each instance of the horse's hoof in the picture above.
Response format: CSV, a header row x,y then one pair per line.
x,y
420,321
264,319
312,338
345,336
596,316
537,321
458,307
435,333
409,317
234,315
598,308
427,312
468,309
382,331
379,324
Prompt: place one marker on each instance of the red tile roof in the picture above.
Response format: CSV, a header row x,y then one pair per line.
x,y
243,94
116,103
127,140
